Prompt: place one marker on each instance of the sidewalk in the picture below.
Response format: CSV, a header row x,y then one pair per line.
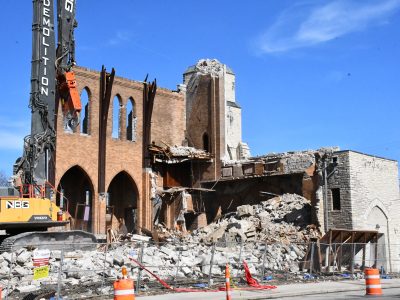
x,y
290,290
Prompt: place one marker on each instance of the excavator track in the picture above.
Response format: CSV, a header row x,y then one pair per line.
x,y
67,240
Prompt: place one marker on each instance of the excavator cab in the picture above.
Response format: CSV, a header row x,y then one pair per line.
x,y
27,208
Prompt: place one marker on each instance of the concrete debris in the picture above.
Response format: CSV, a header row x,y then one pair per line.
x,y
296,162
209,66
23,257
173,154
27,288
281,219
272,235
186,151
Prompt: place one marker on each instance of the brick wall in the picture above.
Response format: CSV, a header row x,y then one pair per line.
x,y
76,149
342,218
169,117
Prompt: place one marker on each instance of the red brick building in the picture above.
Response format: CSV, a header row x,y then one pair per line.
x,y
128,185
166,185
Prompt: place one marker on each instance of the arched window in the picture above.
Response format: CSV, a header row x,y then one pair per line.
x,y
206,142
84,116
131,120
116,117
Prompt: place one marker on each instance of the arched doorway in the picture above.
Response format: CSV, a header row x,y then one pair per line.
x,y
377,220
77,189
122,201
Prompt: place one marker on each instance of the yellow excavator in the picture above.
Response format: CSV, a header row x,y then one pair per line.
x,y
28,208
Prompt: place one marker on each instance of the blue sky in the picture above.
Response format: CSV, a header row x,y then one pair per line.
x,y
308,73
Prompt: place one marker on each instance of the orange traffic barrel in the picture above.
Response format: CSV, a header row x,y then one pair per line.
x,y
124,289
227,283
372,282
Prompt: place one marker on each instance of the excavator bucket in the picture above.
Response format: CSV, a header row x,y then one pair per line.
x,y
75,101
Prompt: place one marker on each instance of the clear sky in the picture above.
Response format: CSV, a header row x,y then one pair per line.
x,y
308,73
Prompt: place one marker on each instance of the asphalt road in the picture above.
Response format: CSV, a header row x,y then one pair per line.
x,y
327,290
353,295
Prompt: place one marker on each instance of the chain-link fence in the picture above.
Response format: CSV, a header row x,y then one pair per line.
x,y
155,266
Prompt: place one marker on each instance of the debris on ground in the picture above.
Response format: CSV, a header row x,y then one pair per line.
x,y
270,236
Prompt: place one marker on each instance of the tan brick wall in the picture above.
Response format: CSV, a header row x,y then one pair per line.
x,y
206,111
168,125
169,113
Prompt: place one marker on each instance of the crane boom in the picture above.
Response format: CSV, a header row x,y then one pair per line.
x,y
30,206
40,145
51,81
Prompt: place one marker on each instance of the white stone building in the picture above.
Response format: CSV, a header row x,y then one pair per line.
x,y
363,194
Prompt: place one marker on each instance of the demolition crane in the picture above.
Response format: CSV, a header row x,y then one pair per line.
x,y
31,205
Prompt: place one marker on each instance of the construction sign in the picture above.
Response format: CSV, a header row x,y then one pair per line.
x,y
41,272
41,263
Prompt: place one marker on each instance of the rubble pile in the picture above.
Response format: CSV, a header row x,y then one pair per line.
x,y
210,66
172,153
283,219
271,236
186,151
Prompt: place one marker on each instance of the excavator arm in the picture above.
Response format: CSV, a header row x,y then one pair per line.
x,y
52,81
66,84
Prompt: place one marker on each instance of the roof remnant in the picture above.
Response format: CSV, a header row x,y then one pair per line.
x,y
209,66
295,162
175,154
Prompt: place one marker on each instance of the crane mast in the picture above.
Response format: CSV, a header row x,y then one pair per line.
x,y
51,81
40,145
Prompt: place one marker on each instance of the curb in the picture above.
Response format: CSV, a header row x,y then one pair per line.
x,y
306,293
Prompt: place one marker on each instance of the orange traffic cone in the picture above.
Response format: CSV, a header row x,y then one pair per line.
x,y
124,289
372,282
227,283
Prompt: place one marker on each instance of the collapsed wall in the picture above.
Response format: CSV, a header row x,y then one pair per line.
x,y
271,236
258,178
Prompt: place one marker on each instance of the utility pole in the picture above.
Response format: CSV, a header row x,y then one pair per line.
x,y
326,176
326,223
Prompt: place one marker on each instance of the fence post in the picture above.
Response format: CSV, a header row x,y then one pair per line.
x,y
240,253
312,258
353,250
211,264
104,265
59,274
179,260
334,259
9,273
140,270
263,262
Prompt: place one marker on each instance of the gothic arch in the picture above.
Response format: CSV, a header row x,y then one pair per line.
x,y
123,198
84,118
116,118
77,189
380,205
131,120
